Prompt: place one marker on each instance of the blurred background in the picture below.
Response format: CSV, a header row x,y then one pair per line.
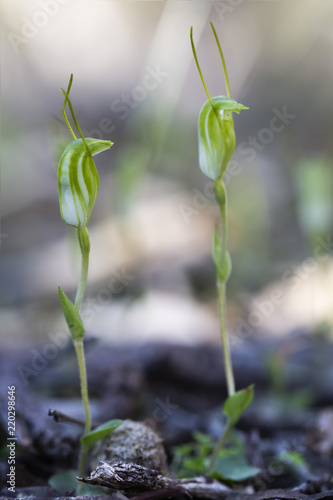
x,y
135,82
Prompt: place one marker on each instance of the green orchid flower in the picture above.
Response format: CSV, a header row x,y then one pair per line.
x,y
78,180
216,135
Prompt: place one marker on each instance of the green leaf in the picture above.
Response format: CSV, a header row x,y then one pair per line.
x,y
194,466
236,404
182,450
292,457
88,440
72,318
191,459
234,468
64,482
202,439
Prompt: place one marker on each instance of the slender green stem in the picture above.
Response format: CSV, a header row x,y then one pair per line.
x,y
223,61
84,241
82,468
221,290
218,448
221,197
79,350
222,265
222,200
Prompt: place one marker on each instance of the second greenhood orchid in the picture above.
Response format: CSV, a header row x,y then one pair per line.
x,y
216,138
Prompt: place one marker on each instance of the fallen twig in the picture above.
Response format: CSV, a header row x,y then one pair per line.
x,y
135,479
58,416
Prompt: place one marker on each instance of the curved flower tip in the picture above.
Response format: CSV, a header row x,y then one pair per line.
x,y
216,135
78,180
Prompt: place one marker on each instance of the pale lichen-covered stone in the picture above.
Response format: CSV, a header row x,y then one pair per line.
x,y
132,442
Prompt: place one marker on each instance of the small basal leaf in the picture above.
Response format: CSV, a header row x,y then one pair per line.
x,y
88,440
64,482
236,404
292,457
233,468
203,439
73,319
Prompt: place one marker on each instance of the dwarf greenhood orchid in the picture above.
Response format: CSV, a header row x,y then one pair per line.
x,y
78,184
216,137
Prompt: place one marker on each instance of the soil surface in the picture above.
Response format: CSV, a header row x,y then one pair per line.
x,y
176,390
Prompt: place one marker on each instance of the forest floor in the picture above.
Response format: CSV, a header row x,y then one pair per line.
x,y
176,390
